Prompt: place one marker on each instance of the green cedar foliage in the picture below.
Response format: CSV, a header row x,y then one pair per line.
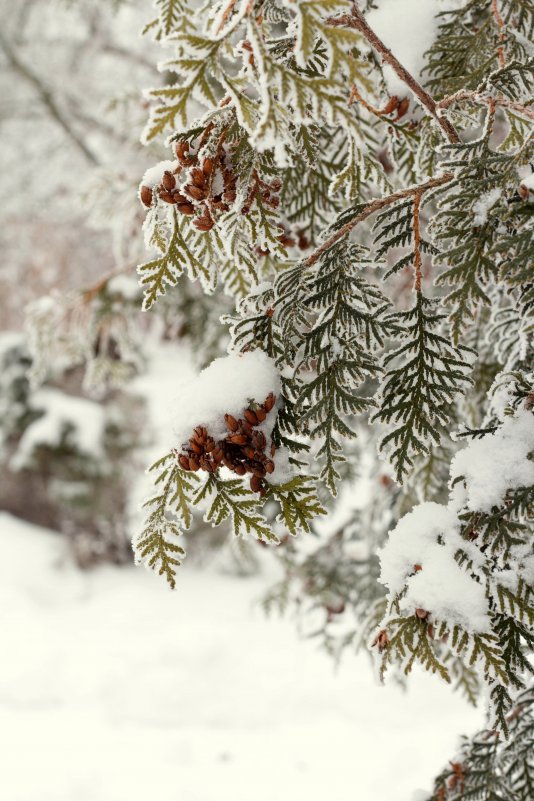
x,y
378,249
490,541
428,372
488,768
178,494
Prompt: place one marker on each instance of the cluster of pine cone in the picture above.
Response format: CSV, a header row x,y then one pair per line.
x,y
201,193
242,449
200,186
197,193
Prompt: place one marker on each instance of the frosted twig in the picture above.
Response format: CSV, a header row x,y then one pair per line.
x,y
357,20
417,261
475,97
500,24
372,207
355,95
226,15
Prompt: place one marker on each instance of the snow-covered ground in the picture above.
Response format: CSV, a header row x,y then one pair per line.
x,y
114,689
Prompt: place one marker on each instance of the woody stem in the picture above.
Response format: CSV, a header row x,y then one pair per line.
x,y
374,206
357,20
417,261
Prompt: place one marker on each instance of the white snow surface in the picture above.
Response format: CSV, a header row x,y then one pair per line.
x,y
528,181
408,28
154,174
428,537
225,387
494,464
84,419
114,689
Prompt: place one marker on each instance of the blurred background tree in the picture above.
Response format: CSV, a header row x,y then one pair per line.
x,y
72,336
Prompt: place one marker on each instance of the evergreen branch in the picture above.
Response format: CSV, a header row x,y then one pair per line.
x,y
349,328
357,20
490,768
186,250
371,208
497,16
477,97
157,545
417,259
173,15
157,548
464,228
410,641
419,390
229,499
298,503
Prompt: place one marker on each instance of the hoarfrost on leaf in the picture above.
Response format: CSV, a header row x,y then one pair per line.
x,y
483,206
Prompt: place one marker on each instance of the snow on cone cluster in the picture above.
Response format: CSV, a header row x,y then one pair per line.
x,y
243,450
232,404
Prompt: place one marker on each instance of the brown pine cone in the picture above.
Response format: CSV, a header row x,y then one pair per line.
x,y
145,194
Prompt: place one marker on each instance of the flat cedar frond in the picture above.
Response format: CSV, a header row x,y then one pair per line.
x,y
491,768
156,546
157,549
230,499
173,16
515,80
423,377
299,504
409,643
467,47
518,603
349,328
310,207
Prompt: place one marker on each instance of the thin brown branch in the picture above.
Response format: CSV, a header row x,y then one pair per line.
x,y
417,260
355,95
393,104
374,206
357,20
486,100
502,37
